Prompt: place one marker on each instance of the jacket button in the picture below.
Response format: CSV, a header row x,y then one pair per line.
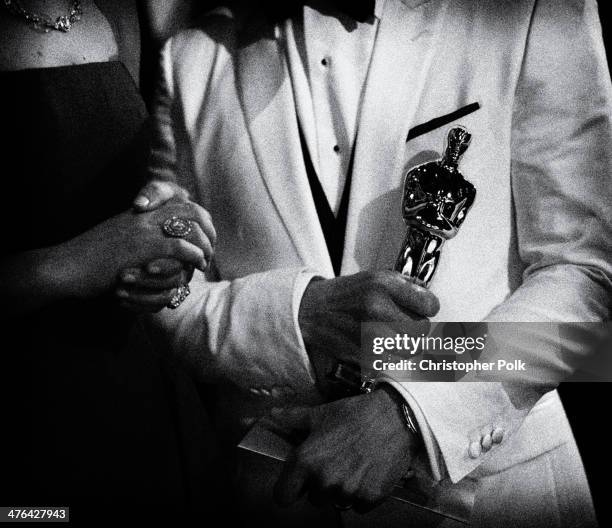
x,y
475,450
498,435
486,442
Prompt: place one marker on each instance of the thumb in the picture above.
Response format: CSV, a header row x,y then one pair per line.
x,y
412,296
292,419
156,193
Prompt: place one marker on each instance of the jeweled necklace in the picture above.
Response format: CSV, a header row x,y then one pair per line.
x,y
42,21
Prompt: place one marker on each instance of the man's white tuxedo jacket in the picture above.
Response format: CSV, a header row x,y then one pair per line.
x,y
535,247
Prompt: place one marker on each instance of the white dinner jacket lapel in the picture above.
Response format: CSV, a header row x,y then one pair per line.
x,y
402,56
269,108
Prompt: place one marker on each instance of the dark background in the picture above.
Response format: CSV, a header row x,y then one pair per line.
x,y
586,404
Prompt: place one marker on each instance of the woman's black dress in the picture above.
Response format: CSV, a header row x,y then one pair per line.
x,y
92,417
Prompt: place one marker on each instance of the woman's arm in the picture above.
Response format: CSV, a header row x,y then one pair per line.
x,y
88,265
36,278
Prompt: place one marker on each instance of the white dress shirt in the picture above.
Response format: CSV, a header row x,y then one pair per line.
x,y
329,56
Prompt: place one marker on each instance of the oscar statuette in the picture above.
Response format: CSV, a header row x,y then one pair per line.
x,y
436,200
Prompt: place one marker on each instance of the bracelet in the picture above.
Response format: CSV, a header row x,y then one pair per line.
x,y
350,376
410,419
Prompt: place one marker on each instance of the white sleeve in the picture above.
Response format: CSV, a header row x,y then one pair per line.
x,y
562,190
243,331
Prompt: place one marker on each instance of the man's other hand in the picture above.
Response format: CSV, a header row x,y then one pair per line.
x,y
355,451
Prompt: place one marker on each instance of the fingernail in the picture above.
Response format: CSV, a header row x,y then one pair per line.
x,y
141,201
129,277
123,294
154,270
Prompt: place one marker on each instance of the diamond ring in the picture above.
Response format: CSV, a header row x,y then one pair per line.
x,y
181,294
176,227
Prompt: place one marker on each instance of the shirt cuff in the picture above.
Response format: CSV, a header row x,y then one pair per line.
x,y
302,280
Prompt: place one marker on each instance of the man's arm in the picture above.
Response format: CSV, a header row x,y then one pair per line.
x,y
247,331
243,331
561,181
561,167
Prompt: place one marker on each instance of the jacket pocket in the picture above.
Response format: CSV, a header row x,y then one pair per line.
x,y
438,122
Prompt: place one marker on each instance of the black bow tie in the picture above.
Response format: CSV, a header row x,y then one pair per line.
x,y
360,10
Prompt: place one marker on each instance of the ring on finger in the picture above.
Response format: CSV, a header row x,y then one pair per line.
x,y
181,294
177,227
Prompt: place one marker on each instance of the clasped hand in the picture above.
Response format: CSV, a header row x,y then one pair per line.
x,y
131,253
151,286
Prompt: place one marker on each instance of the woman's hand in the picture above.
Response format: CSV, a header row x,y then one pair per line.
x,y
151,287
129,252
94,260
90,264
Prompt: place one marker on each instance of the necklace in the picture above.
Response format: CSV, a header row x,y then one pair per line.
x,y
42,21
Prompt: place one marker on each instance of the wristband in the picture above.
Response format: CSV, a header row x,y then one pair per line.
x,y
354,382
